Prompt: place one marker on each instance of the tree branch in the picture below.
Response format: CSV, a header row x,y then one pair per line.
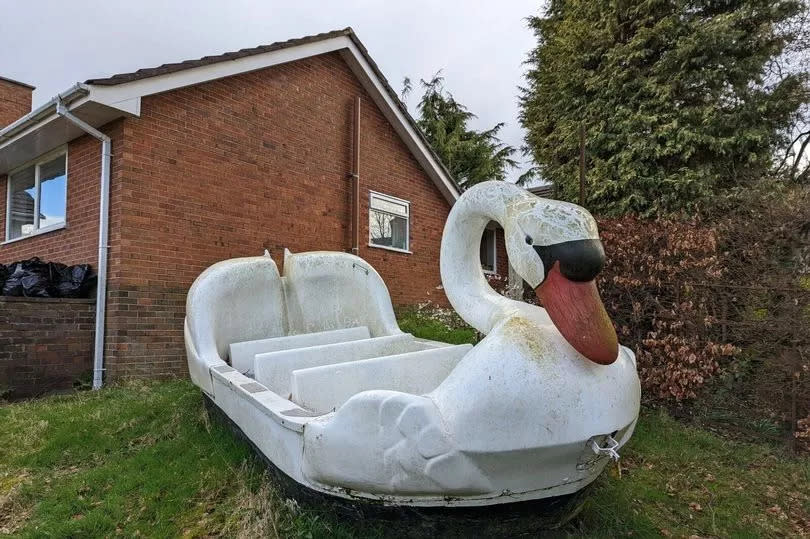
x,y
787,153
798,158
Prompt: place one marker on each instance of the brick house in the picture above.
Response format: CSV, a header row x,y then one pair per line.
x,y
215,158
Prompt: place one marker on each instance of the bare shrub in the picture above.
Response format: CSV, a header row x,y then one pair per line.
x,y
689,296
646,288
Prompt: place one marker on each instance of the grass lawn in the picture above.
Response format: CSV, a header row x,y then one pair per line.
x,y
144,459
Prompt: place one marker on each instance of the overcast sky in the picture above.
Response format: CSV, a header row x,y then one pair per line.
x,y
480,45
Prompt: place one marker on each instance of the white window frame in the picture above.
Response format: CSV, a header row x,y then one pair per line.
x,y
36,163
388,198
494,232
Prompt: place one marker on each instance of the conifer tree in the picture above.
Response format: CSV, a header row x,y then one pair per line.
x,y
675,97
471,156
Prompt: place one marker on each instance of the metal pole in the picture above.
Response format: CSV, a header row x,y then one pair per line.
x,y
103,230
356,180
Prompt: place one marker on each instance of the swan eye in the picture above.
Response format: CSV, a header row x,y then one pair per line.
x,y
529,240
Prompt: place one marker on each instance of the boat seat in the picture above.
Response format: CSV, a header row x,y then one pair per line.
x,y
242,354
325,388
274,369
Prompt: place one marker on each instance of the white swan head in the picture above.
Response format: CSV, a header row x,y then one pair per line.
x,y
554,246
540,232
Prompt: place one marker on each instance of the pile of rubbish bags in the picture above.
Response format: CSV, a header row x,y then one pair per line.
x,y
33,278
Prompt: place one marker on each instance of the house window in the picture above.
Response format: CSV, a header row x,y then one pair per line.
x,y
488,259
36,199
388,222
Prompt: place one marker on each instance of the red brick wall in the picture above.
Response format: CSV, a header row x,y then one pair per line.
x,y
77,243
45,344
15,102
252,162
501,258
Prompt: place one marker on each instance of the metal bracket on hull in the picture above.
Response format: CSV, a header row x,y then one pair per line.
x,y
609,449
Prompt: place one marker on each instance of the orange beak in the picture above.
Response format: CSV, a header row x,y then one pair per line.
x,y
578,313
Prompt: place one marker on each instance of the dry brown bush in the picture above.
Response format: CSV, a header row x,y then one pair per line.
x,y
647,287
690,296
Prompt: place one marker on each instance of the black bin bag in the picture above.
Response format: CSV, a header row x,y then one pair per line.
x,y
74,281
30,278
36,279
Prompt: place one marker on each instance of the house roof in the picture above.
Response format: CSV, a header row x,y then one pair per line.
x,y
100,100
545,190
18,83
164,69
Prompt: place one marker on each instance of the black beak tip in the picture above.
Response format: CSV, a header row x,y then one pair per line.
x,y
580,260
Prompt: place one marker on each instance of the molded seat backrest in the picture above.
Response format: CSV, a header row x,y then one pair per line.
x,y
327,290
233,301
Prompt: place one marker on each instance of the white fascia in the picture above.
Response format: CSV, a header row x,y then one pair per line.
x,y
416,144
126,96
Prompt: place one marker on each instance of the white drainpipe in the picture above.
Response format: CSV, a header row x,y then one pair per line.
x,y
103,229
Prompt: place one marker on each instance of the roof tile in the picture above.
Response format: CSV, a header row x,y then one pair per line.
x,y
164,69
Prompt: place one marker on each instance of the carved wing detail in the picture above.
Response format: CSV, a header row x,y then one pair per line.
x,y
388,442
422,447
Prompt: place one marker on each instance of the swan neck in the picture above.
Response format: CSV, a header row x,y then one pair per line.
x,y
462,277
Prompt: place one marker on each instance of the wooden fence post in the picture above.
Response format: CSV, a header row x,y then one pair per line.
x,y
582,164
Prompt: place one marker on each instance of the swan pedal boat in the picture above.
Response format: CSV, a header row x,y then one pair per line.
x,y
313,369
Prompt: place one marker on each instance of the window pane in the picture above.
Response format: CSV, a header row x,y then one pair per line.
x,y
22,203
389,206
487,252
52,179
388,230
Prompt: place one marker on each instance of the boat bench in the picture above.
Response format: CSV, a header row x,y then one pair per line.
x,y
320,371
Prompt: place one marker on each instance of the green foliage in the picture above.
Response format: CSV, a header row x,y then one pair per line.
x,y
673,95
680,481
471,156
436,326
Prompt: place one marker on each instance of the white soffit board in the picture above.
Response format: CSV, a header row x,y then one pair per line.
x,y
51,132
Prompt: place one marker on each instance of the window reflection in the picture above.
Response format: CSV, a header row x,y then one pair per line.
x,y
21,218
388,222
52,180
37,197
